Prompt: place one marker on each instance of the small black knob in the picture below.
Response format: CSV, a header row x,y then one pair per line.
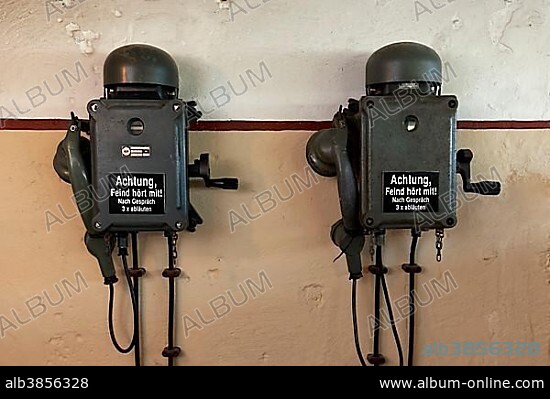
x,y
225,183
464,156
486,187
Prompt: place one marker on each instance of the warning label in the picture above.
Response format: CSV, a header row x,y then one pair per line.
x,y
138,193
410,192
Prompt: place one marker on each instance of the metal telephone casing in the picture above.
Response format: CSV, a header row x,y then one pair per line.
x,y
158,152
388,146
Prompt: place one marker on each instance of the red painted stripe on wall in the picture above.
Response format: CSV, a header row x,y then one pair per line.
x,y
277,126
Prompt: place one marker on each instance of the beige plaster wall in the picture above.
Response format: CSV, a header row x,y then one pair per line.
x,y
498,256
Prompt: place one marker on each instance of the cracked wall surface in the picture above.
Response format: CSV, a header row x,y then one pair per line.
x,y
498,51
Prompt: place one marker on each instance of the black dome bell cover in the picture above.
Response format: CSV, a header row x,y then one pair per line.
x,y
140,64
404,62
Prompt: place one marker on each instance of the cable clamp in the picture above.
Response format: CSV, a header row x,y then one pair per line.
x,y
411,268
171,273
139,272
171,352
376,360
378,270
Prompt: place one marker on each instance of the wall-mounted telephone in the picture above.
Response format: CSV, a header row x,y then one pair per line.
x,y
132,174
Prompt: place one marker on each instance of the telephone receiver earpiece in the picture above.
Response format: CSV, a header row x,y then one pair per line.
x,y
327,154
72,164
60,160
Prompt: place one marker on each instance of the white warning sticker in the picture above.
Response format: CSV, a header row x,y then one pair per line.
x,y
139,193
410,192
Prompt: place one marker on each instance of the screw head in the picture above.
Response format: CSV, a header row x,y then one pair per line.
x,y
97,225
176,107
94,107
370,221
179,225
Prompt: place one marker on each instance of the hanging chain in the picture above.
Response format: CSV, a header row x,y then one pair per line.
x,y
371,251
175,248
439,235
